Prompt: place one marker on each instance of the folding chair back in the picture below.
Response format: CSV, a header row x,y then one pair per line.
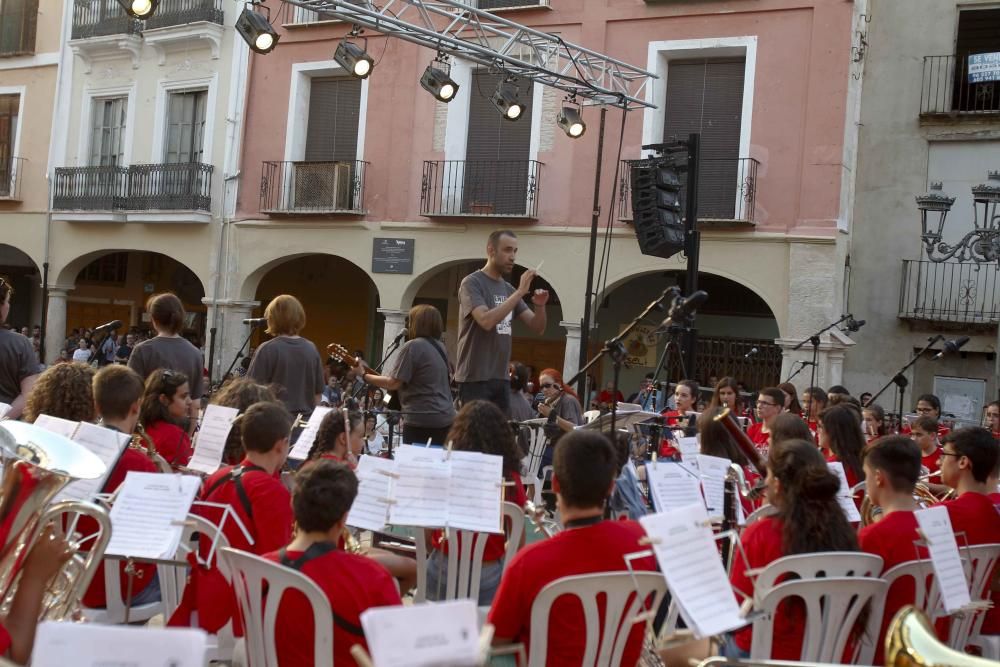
x,y
465,565
513,521
819,565
983,558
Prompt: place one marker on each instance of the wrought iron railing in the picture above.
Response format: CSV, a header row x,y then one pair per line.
x,y
721,356
300,15
96,18
313,187
489,5
10,177
140,187
733,195
181,12
962,292
946,89
480,188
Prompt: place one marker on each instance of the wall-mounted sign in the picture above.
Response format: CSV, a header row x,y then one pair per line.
x,y
984,67
392,255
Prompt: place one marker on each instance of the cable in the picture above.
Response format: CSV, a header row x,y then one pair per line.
x,y
602,275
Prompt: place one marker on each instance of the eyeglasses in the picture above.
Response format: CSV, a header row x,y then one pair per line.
x,y
546,385
760,403
955,454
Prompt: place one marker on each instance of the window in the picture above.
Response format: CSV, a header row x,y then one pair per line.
x,y
186,127
334,112
977,33
107,144
706,96
18,19
9,105
111,268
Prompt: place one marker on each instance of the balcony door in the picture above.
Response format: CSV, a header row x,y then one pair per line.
x,y
497,151
186,127
9,105
328,177
179,182
706,96
107,142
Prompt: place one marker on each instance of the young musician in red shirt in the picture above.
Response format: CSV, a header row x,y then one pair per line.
x,y
874,421
685,401
324,492
804,491
165,407
770,403
335,443
991,418
841,439
726,394
814,401
254,493
117,395
928,405
892,468
585,466
924,432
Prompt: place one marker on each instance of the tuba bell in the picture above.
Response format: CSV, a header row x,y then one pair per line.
x,y
911,642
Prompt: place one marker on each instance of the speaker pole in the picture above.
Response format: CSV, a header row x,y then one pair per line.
x,y
692,244
589,294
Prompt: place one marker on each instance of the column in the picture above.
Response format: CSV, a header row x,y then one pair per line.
x,y
829,360
55,323
571,358
230,334
395,321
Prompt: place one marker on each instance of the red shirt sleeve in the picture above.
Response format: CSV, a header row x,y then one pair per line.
x,y
510,612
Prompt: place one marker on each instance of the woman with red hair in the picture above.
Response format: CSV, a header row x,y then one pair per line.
x,y
561,404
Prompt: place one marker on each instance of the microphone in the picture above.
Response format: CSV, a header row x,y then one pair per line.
x,y
113,325
255,321
400,337
854,325
683,308
752,352
952,346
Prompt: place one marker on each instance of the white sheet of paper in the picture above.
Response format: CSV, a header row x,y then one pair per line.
x,y
94,645
216,422
423,635
844,498
689,449
935,524
713,470
308,436
690,562
147,517
370,510
420,492
4,409
58,425
475,492
108,445
673,485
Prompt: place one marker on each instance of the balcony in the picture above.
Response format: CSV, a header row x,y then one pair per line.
x,y
946,89
496,5
10,178
949,292
138,191
313,188
99,18
728,190
480,188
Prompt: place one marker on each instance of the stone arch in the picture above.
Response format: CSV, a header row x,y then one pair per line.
x,y
67,275
25,274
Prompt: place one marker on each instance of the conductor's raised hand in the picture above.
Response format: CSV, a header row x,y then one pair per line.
x,y
540,297
524,287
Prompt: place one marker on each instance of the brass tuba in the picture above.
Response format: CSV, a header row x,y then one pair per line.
x,y
910,641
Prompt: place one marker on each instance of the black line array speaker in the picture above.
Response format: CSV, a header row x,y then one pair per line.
x,y
656,207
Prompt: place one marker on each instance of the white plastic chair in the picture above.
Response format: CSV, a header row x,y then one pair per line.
x,y
966,625
114,596
760,513
821,565
251,577
514,530
590,415
604,638
532,461
832,606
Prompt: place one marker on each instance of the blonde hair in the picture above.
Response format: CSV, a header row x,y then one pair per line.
x,y
285,316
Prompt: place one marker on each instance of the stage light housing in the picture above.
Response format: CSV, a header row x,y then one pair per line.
x,y
570,120
354,59
256,30
435,80
506,101
139,9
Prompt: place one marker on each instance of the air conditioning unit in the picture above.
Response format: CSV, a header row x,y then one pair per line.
x,y
325,186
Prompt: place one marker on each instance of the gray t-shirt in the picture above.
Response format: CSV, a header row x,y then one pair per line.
x,y
17,361
483,355
294,365
426,387
175,354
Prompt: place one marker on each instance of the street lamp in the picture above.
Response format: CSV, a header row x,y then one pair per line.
x,y
980,246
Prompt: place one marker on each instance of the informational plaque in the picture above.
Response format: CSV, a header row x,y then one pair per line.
x,y
392,256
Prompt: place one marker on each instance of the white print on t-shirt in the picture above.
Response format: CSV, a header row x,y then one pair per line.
x,y
503,327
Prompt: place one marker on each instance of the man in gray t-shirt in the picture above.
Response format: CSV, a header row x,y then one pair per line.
x,y
487,306
19,367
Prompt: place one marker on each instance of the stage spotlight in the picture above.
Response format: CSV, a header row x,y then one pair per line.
x,y
354,59
139,9
571,122
255,29
436,81
506,101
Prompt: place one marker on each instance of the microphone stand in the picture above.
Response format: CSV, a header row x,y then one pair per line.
x,y
615,349
900,380
800,369
239,355
814,341
391,416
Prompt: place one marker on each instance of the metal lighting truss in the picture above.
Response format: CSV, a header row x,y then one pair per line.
x,y
451,27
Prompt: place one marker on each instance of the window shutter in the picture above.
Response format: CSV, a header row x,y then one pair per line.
x,y
8,125
706,96
107,144
334,113
186,127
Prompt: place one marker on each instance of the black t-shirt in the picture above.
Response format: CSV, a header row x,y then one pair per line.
x,y
17,361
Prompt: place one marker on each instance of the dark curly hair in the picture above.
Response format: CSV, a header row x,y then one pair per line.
x,y
481,426
64,390
161,382
331,427
240,393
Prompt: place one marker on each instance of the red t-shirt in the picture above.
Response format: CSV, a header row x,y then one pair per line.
x,y
932,462
352,584
172,442
892,538
597,548
605,397
977,516
5,640
761,440
496,545
95,597
207,592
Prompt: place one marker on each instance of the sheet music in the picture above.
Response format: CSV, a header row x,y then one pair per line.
x,y
684,548
423,635
94,645
210,443
308,436
713,471
147,517
689,449
673,485
475,493
420,492
935,524
108,445
370,510
844,498
63,427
